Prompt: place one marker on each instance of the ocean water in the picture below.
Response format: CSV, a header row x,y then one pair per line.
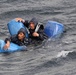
x,y
57,56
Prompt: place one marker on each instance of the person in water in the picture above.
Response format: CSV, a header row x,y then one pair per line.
x,y
19,39
35,30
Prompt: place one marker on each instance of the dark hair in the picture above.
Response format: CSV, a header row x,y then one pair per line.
x,y
22,30
34,20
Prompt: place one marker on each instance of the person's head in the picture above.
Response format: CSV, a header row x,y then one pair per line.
x,y
33,23
21,34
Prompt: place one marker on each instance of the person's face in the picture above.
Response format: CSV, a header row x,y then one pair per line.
x,y
32,26
21,36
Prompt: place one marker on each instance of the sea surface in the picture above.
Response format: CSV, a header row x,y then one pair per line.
x,y
57,56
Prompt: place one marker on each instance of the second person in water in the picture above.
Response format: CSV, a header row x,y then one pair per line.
x,y
35,30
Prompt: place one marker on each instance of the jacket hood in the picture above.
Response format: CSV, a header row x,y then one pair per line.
x,y
34,20
22,30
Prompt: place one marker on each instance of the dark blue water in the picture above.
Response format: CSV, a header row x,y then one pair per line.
x,y
56,57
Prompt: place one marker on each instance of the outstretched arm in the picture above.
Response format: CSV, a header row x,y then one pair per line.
x,y
6,45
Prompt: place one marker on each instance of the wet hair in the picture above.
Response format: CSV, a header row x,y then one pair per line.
x,y
22,30
34,20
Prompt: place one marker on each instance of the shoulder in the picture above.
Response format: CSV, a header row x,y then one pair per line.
x,y
13,36
26,23
41,26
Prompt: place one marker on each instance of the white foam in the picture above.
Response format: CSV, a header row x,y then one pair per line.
x,y
63,53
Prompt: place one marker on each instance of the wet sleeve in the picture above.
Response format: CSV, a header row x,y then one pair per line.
x,y
42,35
10,38
7,39
26,23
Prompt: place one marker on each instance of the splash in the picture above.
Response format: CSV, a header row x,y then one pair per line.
x,y
63,53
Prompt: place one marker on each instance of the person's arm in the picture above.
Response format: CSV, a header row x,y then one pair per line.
x,y
7,41
39,28
7,45
26,23
40,35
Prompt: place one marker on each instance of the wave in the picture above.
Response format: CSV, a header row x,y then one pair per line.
x,y
63,53
59,60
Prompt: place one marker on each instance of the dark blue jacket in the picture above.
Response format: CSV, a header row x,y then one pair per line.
x,y
15,39
40,31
